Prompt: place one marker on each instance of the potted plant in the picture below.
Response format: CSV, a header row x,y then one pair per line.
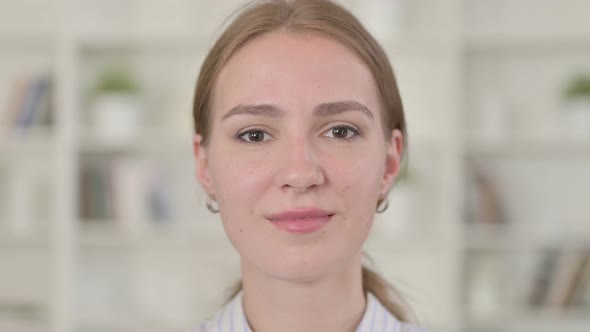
x,y
116,106
576,95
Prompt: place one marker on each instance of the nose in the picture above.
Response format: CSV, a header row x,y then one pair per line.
x,y
300,169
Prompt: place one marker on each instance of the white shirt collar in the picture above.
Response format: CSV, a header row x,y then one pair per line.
x,y
231,318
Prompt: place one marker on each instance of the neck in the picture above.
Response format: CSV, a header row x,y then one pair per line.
x,y
335,303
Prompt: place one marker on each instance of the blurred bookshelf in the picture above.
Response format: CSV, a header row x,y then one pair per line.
x,y
526,233
495,205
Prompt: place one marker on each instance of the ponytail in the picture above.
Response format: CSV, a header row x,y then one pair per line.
x,y
389,296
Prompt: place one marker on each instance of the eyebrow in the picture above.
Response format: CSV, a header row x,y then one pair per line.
x,y
268,110
328,109
322,110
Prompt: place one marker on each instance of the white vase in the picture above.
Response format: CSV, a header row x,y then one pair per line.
x,y
116,117
577,116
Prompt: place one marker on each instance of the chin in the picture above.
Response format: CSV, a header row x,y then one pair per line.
x,y
302,269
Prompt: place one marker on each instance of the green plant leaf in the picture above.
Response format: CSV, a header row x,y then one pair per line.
x,y
118,81
578,87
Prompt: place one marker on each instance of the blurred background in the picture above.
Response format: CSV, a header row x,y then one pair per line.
x,y
103,226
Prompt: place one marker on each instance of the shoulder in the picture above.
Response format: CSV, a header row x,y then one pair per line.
x,y
207,327
378,318
230,318
215,323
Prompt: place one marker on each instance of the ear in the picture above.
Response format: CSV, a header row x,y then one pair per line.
x,y
393,156
202,165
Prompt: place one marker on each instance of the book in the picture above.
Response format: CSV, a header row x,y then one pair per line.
x,y
545,272
11,109
483,204
29,105
126,191
160,197
567,278
574,293
129,195
560,279
581,295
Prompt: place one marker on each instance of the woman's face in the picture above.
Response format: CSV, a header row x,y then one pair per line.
x,y
296,124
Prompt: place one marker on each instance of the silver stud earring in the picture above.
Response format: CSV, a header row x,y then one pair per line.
x,y
210,207
381,207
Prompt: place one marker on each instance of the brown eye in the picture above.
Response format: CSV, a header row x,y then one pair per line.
x,y
253,136
256,135
342,132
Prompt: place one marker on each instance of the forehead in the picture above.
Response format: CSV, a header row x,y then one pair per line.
x,y
300,69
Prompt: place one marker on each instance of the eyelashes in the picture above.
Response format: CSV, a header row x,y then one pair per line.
x,y
259,136
342,132
253,136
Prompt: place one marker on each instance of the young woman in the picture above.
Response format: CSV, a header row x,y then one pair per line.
x,y
299,138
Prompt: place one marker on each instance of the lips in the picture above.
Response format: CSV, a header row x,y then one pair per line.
x,y
299,215
301,221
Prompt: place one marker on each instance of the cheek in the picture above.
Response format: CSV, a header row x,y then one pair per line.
x,y
356,187
239,182
358,177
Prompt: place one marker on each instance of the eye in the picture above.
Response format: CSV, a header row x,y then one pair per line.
x,y
253,136
342,132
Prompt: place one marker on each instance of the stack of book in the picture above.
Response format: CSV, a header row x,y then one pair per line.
x,y
29,105
128,192
562,280
27,200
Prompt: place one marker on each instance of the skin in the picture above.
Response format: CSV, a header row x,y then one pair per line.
x,y
298,282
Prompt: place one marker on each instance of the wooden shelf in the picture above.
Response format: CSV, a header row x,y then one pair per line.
x,y
414,242
417,44
21,242
120,326
24,324
33,143
528,147
574,317
125,41
106,235
542,44
147,141
27,42
509,238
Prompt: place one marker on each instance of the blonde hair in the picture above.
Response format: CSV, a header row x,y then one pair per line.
x,y
329,19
